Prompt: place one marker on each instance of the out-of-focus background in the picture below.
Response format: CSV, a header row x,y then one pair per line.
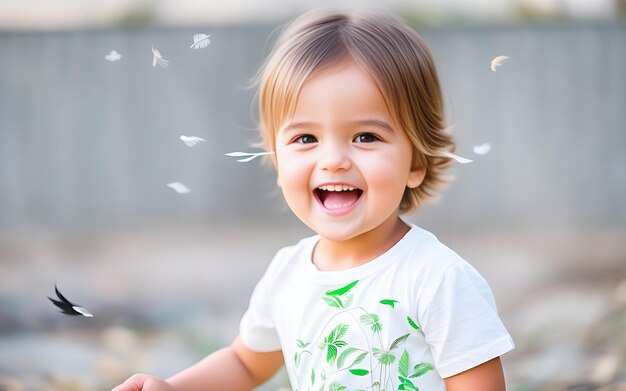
x,y
87,147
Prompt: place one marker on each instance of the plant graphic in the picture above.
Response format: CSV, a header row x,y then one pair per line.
x,y
373,321
386,358
403,372
332,343
348,352
339,355
389,302
334,298
412,323
302,345
335,386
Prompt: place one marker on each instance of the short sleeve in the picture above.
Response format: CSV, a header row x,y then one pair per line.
x,y
462,325
256,328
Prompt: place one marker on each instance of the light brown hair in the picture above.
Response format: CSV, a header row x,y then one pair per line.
x,y
396,57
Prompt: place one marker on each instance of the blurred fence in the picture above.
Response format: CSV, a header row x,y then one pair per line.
x,y
86,143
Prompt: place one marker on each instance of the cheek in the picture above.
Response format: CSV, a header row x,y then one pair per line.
x,y
387,173
292,176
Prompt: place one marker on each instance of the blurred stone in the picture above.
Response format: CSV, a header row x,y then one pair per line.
x,y
581,387
111,368
8,383
613,387
59,383
119,340
606,368
559,314
619,296
555,366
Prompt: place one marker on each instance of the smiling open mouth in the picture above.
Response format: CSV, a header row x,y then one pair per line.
x,y
337,196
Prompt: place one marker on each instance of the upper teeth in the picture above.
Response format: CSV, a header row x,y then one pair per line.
x,y
336,187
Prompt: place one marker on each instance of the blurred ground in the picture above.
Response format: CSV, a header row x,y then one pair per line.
x,y
162,299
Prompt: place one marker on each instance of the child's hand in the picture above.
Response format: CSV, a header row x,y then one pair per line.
x,y
141,382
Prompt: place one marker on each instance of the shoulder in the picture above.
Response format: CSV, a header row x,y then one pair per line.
x,y
292,256
436,268
429,255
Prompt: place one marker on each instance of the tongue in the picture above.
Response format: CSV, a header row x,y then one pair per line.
x,y
340,199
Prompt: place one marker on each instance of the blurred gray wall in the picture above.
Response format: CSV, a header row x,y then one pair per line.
x,y
90,144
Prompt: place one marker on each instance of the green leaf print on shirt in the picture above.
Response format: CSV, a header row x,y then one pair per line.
x,y
374,362
301,344
389,302
335,386
373,321
403,372
343,290
298,355
403,364
421,369
412,323
333,343
349,352
398,341
383,357
334,297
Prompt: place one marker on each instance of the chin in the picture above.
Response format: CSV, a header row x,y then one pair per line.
x,y
338,232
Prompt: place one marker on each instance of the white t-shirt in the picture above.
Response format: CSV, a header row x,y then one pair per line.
x,y
412,316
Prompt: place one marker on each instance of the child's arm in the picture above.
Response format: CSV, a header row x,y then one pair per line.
x,y
232,368
488,376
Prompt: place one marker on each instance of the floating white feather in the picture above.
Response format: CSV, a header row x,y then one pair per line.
x,y
249,157
191,141
157,58
82,311
179,187
113,56
482,149
200,41
458,158
496,62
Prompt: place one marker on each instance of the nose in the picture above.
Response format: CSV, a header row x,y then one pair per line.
x,y
334,157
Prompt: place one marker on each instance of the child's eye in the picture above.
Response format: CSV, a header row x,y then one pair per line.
x,y
366,138
305,139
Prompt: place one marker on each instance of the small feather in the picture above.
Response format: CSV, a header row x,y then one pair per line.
x,y
238,154
157,58
113,56
82,311
200,41
458,158
60,296
67,307
58,303
179,187
250,155
191,141
496,62
482,149
245,160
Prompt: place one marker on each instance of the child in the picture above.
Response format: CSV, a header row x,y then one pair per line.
x,y
350,104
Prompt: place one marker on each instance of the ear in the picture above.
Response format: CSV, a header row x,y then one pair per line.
x,y
416,177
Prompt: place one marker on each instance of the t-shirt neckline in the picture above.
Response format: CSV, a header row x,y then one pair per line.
x,y
361,271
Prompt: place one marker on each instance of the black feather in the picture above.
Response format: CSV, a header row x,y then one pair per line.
x,y
66,306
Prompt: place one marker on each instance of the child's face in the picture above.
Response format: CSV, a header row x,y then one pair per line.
x,y
343,137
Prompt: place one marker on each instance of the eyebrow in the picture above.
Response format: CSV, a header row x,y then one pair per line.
x,y
366,122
